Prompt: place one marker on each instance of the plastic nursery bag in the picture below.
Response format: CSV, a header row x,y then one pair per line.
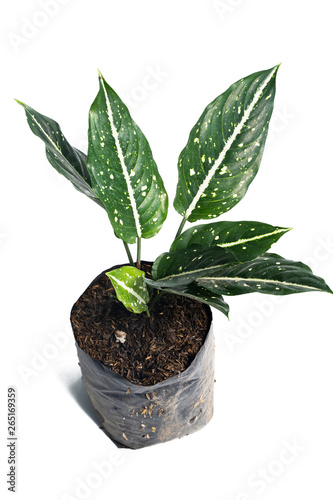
x,y
137,416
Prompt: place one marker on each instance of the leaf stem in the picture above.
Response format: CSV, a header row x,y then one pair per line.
x,y
181,227
155,299
129,255
138,257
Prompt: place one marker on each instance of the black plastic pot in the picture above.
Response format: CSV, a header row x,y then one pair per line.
x,y
137,416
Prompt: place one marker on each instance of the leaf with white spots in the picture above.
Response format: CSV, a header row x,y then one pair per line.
x,y
225,148
217,270
67,160
123,171
269,273
130,288
196,292
245,239
185,266
203,295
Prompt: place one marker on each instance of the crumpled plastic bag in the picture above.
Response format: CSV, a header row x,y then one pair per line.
x,y
137,416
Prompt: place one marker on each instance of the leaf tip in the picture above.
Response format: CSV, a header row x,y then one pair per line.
x,y
20,103
274,69
100,76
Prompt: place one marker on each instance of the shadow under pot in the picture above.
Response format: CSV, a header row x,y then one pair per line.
x,y
158,384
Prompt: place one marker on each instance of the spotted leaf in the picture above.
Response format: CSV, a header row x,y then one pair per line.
x,y
201,294
123,171
269,273
217,270
67,160
130,288
225,148
185,266
196,292
245,239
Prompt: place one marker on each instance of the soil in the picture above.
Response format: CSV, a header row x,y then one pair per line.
x,y
155,348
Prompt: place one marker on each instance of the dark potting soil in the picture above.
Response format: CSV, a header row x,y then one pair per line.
x,y
155,348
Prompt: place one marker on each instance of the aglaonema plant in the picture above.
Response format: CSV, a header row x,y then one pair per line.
x,y
217,165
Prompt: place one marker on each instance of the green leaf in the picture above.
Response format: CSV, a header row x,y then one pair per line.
x,y
123,171
184,266
225,147
246,239
215,269
67,160
196,292
269,273
130,288
201,294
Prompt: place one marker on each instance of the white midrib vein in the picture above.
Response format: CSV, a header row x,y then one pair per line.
x,y
195,271
254,238
46,135
129,290
122,161
228,144
228,278
257,280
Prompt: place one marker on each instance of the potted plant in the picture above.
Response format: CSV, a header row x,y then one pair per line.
x,y
143,329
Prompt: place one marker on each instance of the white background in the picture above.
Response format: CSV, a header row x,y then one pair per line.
x,y
274,365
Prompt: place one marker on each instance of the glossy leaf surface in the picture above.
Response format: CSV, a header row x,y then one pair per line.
x,y
123,171
196,292
216,269
67,160
245,239
184,266
130,288
269,273
201,294
225,148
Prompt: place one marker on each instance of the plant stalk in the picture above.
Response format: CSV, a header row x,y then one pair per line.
x,y
155,299
181,227
138,257
129,255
